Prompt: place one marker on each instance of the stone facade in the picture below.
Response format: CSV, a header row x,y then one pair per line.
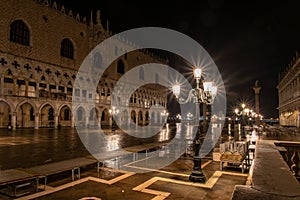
x,y
289,94
42,46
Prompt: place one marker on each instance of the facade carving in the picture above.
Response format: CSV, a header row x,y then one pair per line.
x,y
289,94
42,46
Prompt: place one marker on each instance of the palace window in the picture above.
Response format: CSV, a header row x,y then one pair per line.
x,y
67,49
31,89
77,92
19,32
84,93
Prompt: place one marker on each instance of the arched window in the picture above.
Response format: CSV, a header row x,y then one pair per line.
x,y
142,74
19,32
120,67
67,49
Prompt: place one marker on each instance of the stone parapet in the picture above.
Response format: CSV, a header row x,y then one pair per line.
x,y
270,176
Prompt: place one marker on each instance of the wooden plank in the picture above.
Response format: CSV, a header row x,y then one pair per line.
x,y
61,166
14,175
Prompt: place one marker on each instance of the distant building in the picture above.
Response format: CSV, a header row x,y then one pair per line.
x,y
42,46
289,94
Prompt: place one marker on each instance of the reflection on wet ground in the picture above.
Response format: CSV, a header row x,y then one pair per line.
x,y
24,148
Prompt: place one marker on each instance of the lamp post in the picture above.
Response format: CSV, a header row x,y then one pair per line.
x,y
244,117
206,94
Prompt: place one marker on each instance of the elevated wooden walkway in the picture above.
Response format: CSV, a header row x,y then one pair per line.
x,y
17,179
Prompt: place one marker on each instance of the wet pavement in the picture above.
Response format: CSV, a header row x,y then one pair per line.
x,y
170,182
27,148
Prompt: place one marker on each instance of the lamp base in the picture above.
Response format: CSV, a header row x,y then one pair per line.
x,y
197,176
197,173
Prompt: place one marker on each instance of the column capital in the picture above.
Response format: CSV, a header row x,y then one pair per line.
x,y
13,113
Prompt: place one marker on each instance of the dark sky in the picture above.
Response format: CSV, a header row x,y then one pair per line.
x,y
248,40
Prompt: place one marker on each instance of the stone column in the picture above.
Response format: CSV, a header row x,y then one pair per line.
x,y
36,121
14,121
144,119
99,121
137,119
55,120
256,89
110,121
86,123
72,121
128,120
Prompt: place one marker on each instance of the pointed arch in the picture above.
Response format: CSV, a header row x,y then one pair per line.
x,y
5,117
25,115
65,115
46,115
27,101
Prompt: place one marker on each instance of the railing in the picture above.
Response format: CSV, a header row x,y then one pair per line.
x,y
292,156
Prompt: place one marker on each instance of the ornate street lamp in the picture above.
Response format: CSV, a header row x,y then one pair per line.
x,y
206,94
244,117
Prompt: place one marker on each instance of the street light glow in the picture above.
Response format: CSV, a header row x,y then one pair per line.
x,y
176,90
236,111
207,86
197,73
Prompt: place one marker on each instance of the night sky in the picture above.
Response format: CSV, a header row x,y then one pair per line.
x,y
248,40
